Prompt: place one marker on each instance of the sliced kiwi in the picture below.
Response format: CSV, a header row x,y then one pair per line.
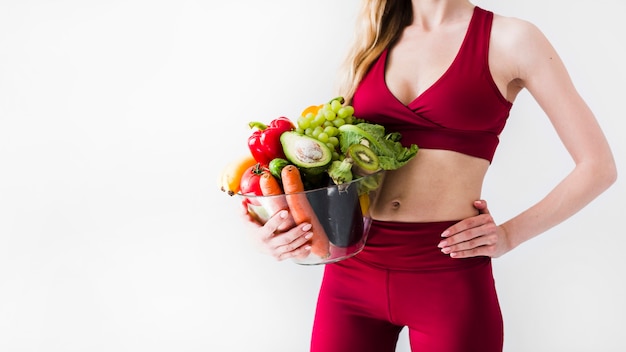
x,y
365,161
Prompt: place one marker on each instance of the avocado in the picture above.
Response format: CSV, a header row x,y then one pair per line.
x,y
307,153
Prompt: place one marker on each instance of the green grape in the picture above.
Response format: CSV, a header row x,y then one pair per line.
x,y
335,105
339,122
331,131
317,131
324,124
322,137
304,123
343,112
346,111
330,114
319,119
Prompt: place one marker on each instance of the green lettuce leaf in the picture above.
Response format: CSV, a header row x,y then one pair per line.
x,y
391,153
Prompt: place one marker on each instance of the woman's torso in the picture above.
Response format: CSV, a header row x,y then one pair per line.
x,y
441,182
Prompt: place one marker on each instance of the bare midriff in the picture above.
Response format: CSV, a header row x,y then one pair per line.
x,y
436,185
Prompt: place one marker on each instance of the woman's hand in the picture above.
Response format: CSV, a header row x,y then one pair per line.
x,y
280,238
475,236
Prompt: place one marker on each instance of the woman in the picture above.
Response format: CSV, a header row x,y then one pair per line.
x,y
444,73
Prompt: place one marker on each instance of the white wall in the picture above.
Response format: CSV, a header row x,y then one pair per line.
x,y
116,118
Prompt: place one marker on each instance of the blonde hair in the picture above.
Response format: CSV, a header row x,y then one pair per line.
x,y
378,25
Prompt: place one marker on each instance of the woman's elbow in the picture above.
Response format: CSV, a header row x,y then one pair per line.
x,y
606,172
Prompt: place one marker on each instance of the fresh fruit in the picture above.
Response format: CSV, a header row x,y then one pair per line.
x,y
249,183
364,200
306,152
364,160
311,109
359,161
322,122
230,180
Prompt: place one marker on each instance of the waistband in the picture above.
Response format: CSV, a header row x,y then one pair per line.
x,y
411,246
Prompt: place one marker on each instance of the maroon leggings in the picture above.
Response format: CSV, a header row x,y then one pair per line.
x,y
402,279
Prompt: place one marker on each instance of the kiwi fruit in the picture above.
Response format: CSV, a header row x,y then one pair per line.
x,y
365,161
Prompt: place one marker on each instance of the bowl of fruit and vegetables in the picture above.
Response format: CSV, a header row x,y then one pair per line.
x,y
325,169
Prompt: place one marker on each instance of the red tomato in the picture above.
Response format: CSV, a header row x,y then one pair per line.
x,y
249,183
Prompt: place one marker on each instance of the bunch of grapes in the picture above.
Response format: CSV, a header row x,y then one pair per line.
x,y
322,122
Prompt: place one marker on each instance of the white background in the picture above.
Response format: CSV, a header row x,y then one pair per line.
x,y
117,116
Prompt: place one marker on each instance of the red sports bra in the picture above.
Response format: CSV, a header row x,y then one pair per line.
x,y
462,111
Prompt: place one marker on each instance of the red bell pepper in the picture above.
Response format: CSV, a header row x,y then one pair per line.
x,y
264,143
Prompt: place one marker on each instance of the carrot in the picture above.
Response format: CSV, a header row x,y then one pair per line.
x,y
302,211
270,185
274,201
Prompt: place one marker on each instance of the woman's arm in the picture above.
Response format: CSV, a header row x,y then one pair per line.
x,y
538,68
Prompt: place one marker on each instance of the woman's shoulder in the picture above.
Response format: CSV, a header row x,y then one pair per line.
x,y
514,31
519,48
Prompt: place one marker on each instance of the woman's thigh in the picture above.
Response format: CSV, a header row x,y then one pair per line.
x,y
449,311
352,310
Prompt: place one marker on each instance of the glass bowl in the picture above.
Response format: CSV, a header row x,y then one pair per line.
x,y
342,210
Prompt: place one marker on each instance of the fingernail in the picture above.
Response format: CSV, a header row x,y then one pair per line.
x,y
445,250
283,214
307,248
308,235
442,244
306,227
446,233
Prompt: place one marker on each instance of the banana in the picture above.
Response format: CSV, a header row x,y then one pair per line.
x,y
232,172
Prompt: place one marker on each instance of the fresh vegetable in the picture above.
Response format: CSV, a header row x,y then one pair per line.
x,y
249,183
230,180
270,186
359,161
391,153
274,200
302,211
306,152
341,171
264,142
276,166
